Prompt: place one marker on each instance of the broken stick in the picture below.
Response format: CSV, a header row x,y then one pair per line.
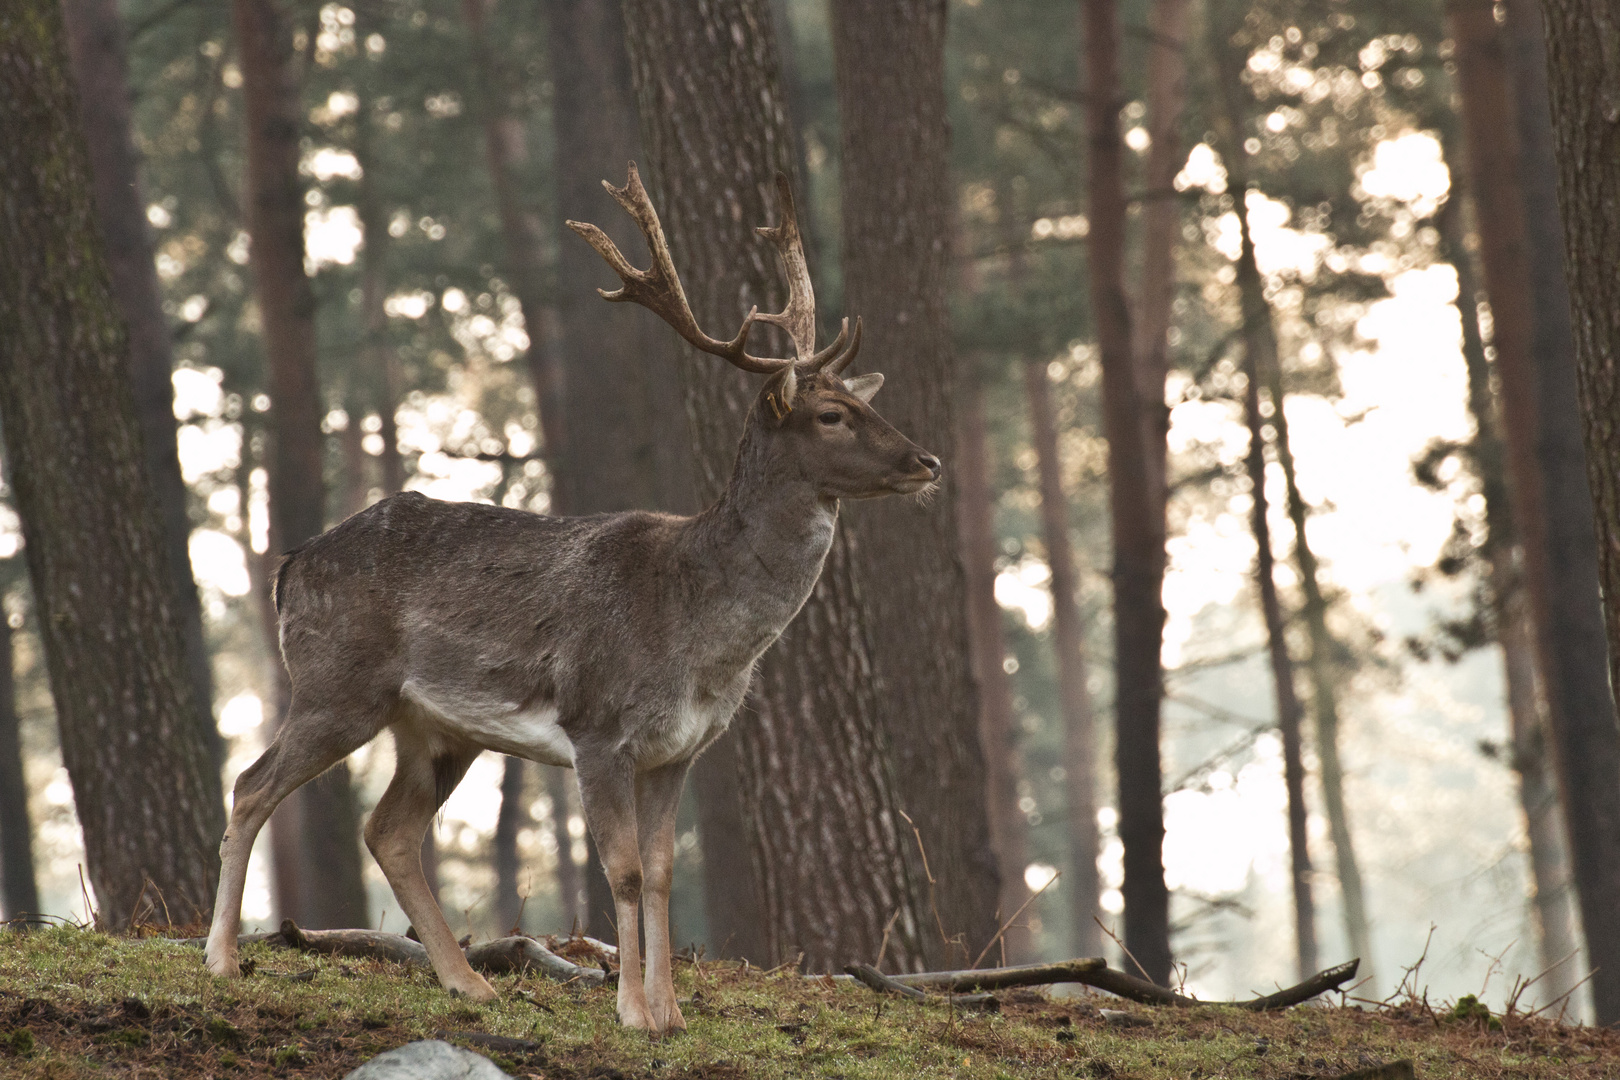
x,y
883,984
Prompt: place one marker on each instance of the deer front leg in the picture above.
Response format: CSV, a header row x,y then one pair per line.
x,y
607,793
658,796
394,835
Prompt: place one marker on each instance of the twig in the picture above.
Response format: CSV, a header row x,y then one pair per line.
x,y
1014,918
1513,1001
883,946
1123,949
1565,995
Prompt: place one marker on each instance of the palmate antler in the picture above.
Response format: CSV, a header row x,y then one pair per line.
x,y
658,288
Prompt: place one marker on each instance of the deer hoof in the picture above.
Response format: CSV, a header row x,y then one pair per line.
x,y
224,965
668,1020
478,990
636,1016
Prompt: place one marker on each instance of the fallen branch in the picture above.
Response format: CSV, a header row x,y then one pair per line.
x,y
1320,983
883,984
1002,978
520,954
369,943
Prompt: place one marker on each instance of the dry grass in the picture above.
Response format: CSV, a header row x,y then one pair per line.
x,y
77,1004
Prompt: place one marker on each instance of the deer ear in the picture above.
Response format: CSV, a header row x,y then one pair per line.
x,y
864,387
779,393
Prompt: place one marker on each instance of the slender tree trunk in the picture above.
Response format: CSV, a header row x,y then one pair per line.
x,y
1260,351
1161,225
508,867
1259,358
19,892
1557,941
331,891
108,613
1583,144
568,882
894,172
101,70
815,778
624,447
1003,760
1068,642
1137,517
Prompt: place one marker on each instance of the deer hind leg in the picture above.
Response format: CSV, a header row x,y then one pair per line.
x,y
310,742
607,792
422,781
658,796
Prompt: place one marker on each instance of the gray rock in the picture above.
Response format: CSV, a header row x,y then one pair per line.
x,y
430,1059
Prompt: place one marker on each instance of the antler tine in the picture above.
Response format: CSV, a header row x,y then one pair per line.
x,y
842,360
658,288
798,318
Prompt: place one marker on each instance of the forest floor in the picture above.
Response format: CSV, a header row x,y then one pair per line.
x,y
79,1004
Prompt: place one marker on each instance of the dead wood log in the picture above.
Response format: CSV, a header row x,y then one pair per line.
x,y
369,943
1320,983
520,954
883,984
1002,978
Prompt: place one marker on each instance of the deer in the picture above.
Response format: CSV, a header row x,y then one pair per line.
x,y
620,645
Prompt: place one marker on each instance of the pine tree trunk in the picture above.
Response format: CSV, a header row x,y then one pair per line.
x,y
1068,642
101,70
1557,941
107,606
1137,517
1003,761
330,890
508,866
568,883
1259,357
19,891
815,779
894,173
1583,144
1260,352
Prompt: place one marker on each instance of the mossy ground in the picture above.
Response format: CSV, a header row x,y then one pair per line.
x,y
77,1004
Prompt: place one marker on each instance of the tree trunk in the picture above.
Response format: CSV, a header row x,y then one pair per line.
x,y
508,867
1260,351
1260,357
1583,144
101,70
1068,642
1137,518
108,613
1003,761
1557,941
19,892
568,883
814,772
894,172
330,890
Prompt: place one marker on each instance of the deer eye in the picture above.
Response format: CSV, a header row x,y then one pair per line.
x,y
830,417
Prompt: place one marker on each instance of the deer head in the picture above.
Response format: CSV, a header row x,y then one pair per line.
x,y
814,422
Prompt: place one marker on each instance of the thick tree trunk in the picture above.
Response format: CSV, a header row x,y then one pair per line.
x,y
1137,515
1583,60
1068,642
1260,351
330,890
101,70
108,613
894,172
975,508
815,778
19,892
1557,941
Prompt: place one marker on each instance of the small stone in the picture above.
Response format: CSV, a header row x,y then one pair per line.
x,y
430,1059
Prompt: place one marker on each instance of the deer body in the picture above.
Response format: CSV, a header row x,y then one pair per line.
x,y
620,645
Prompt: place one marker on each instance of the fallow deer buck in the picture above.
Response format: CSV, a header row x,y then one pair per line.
x,y
620,644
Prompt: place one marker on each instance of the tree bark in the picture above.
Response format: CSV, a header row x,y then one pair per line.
x,y
814,770
508,866
331,892
101,70
1074,693
108,613
894,172
568,883
19,891
1583,145
1557,941
1003,760
1137,517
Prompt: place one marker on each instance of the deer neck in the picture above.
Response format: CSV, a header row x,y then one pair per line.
x,y
771,530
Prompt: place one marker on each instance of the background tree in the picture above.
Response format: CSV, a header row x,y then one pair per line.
x,y
107,603
19,891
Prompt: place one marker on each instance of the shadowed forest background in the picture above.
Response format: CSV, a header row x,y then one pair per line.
x,y
1243,332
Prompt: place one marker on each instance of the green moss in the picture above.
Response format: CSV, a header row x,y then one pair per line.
x,y
19,1042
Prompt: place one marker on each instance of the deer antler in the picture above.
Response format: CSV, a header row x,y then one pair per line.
x,y
658,288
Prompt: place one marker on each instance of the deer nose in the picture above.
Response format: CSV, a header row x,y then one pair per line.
x,y
925,460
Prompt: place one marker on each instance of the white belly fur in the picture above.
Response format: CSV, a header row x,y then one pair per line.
x,y
532,733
